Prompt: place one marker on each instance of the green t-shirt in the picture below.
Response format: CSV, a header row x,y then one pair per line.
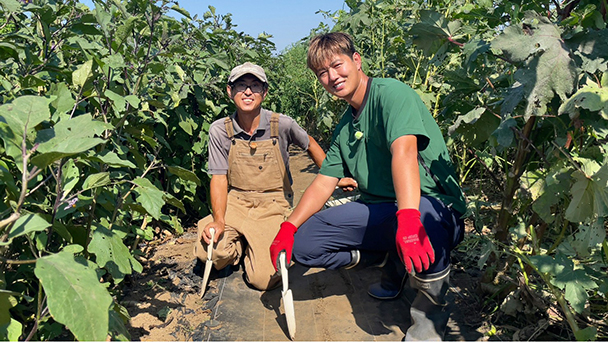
x,y
362,141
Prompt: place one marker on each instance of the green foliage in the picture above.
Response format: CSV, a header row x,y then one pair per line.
x,y
75,296
104,121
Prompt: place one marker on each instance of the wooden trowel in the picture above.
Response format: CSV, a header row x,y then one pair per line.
x,y
290,314
208,263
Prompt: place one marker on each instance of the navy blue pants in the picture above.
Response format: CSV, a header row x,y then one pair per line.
x,y
326,239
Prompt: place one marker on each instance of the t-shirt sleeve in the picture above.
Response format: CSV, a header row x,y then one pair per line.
x,y
218,150
403,114
296,134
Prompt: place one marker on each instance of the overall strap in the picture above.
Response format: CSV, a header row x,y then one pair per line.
x,y
274,127
229,129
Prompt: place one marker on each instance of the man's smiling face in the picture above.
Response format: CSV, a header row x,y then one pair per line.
x,y
247,92
340,75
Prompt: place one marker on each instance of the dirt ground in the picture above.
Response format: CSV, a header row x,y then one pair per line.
x,y
164,304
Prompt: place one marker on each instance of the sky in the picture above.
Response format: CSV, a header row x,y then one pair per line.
x,y
287,21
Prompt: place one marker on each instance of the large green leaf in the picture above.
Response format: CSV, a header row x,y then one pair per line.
x,y
70,175
149,197
170,199
581,205
433,31
576,282
537,46
25,112
26,224
82,74
118,327
589,238
68,137
11,331
64,102
476,126
118,101
124,30
555,188
96,180
504,133
590,97
546,264
564,276
111,159
74,295
184,174
7,301
586,334
112,254
7,178
8,50
10,5
185,121
181,11
589,195
592,47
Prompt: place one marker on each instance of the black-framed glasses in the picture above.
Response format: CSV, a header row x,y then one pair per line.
x,y
255,87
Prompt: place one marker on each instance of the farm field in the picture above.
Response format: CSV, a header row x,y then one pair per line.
x,y
105,115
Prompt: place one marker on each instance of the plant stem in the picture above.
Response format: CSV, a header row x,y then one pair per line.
x,y
512,184
561,236
16,262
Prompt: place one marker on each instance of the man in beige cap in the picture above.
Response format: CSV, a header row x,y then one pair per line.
x,y
250,180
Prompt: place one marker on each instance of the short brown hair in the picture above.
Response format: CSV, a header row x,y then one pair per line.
x,y
324,46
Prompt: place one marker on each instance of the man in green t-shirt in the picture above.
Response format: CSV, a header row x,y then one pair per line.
x,y
411,204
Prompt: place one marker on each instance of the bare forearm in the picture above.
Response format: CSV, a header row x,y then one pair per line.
x,y
406,174
315,152
219,197
313,199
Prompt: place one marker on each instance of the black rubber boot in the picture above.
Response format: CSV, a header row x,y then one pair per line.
x,y
429,310
362,259
392,281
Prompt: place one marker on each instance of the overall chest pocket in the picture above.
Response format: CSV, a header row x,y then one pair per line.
x,y
256,172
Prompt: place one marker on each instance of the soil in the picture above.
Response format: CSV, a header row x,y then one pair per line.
x,y
164,301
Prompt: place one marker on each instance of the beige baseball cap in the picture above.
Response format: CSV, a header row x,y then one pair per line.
x,y
247,68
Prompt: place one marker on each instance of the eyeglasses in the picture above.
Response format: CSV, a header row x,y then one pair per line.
x,y
256,87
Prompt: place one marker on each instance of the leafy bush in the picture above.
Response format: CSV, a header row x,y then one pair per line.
x,y
104,127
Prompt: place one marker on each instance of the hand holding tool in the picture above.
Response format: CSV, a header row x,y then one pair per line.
x,y
208,263
283,242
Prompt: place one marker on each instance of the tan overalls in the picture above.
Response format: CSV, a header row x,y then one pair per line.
x,y
259,200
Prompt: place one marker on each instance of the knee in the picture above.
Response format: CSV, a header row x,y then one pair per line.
x,y
261,280
224,257
303,251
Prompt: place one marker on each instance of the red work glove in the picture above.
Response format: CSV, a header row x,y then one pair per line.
x,y
413,245
282,242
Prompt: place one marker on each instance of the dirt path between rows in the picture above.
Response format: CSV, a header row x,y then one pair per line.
x,y
164,304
